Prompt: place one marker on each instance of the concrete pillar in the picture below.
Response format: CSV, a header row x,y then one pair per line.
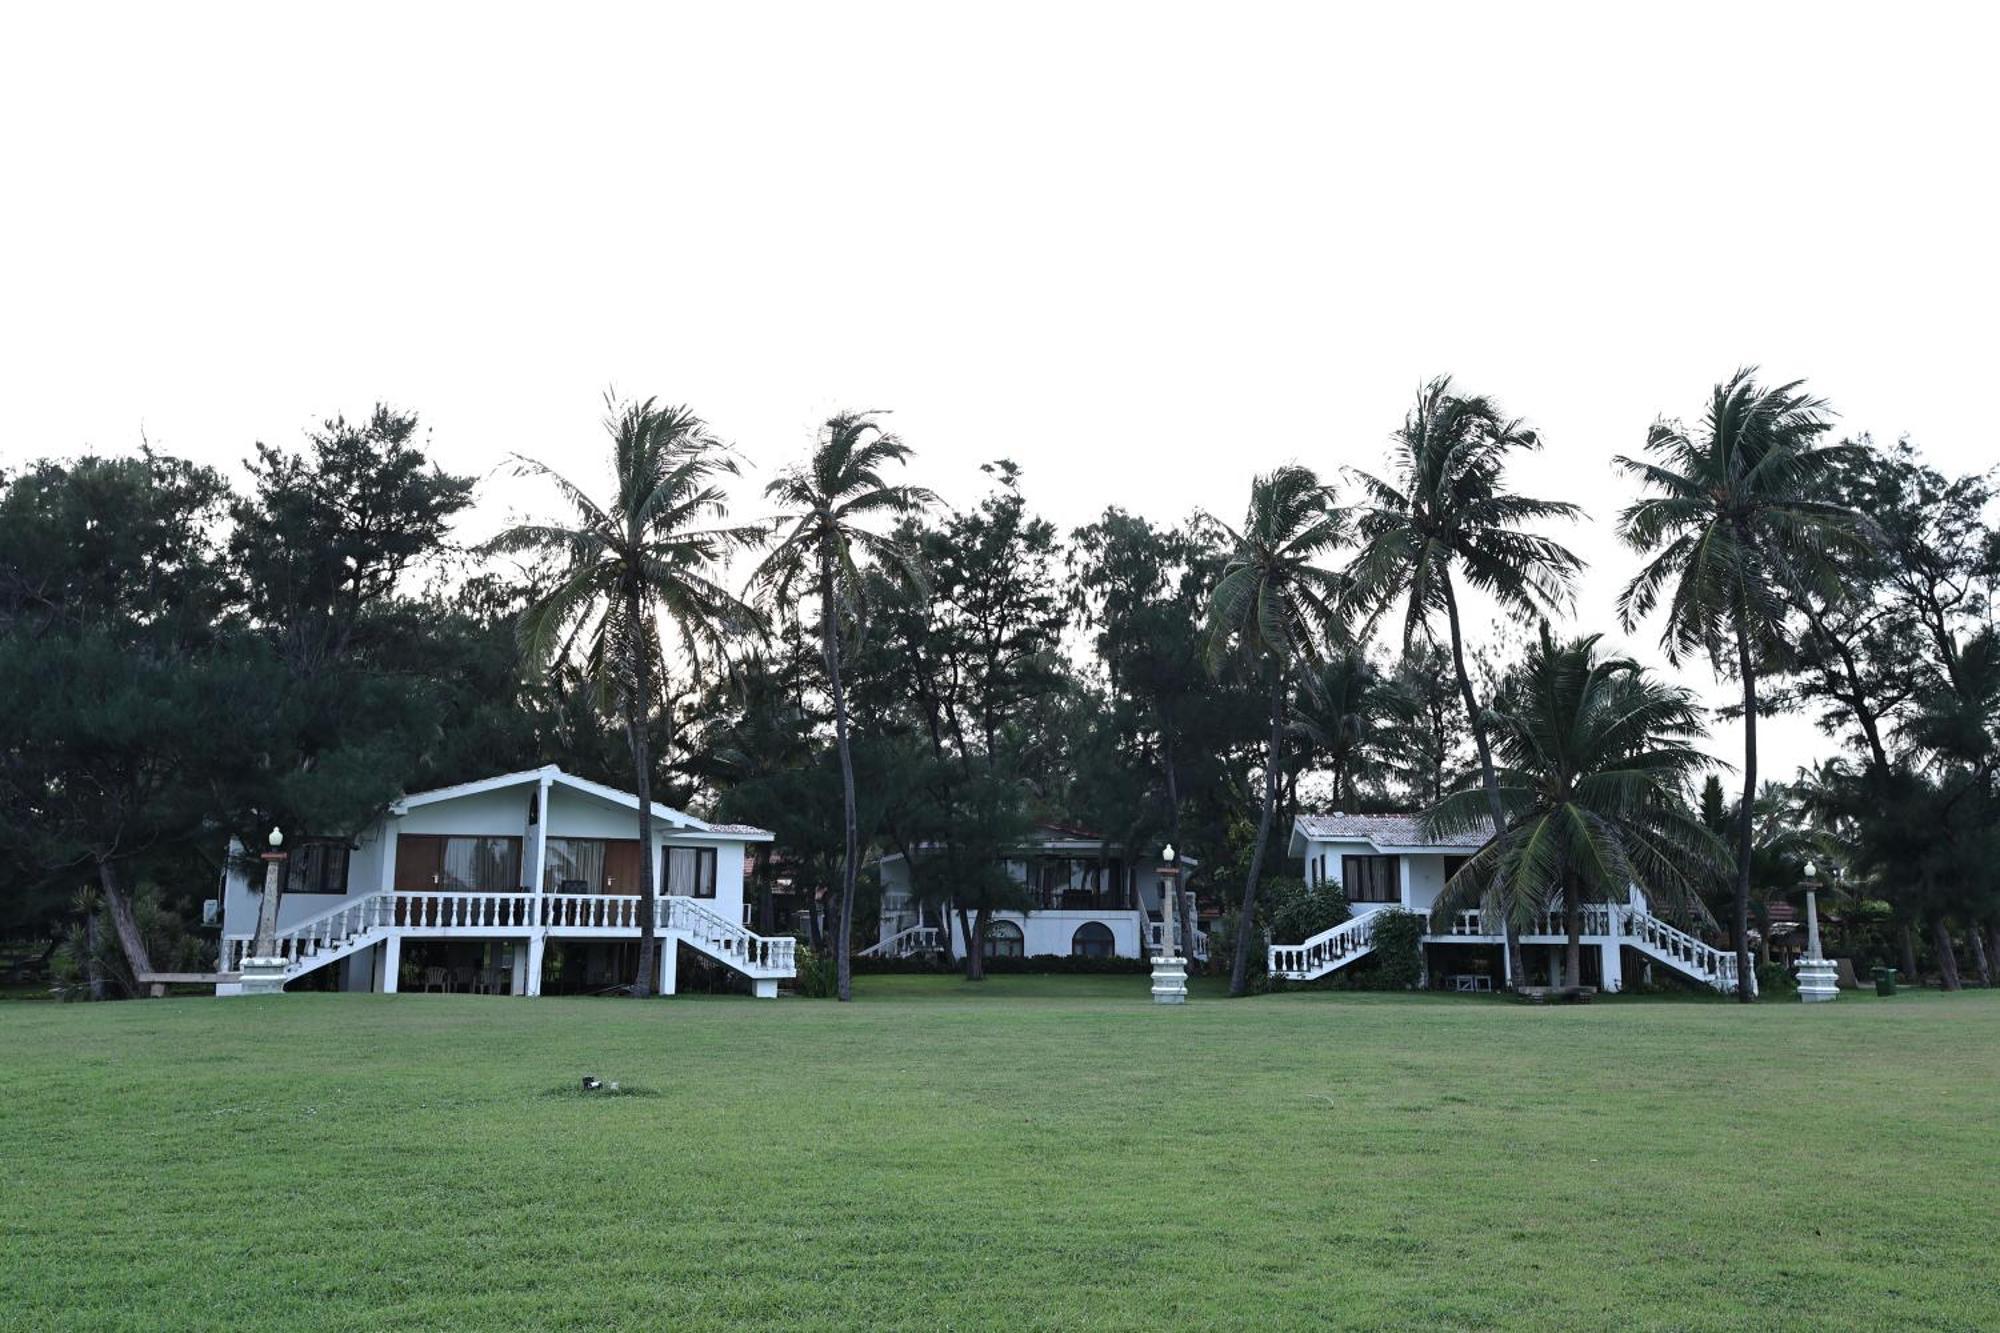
x,y
536,943
392,964
1614,967
670,964
520,965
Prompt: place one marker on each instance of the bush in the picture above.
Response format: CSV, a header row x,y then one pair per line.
x,y
1222,957
1295,912
817,977
1054,964
1398,960
1775,979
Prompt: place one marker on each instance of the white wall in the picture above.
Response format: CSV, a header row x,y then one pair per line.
x,y
1054,932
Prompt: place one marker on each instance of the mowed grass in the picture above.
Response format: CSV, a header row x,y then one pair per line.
x,y
1030,1153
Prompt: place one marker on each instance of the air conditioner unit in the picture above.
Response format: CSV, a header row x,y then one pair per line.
x,y
211,911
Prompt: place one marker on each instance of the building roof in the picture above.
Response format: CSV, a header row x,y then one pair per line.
x,y
678,819
1385,833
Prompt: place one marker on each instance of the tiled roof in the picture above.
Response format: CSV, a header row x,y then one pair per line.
x,y
1384,831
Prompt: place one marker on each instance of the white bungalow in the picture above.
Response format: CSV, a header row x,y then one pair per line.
x,y
1383,861
1082,889
503,885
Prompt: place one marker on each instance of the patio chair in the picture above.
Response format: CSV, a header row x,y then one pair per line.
x,y
435,976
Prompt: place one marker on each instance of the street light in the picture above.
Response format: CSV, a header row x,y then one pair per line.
x,y
1816,975
1169,968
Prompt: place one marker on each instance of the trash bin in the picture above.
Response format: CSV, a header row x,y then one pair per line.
x,y
1885,981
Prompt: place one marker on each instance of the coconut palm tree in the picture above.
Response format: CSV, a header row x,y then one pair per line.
x,y
655,551
1593,759
1445,514
1740,525
1351,716
830,498
1271,609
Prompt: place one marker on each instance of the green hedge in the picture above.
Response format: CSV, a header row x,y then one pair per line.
x,y
1044,963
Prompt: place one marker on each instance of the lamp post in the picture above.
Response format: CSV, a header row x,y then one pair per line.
x,y
1169,968
1816,975
264,969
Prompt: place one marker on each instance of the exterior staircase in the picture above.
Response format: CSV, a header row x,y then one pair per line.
x,y
1328,951
904,943
1602,923
328,936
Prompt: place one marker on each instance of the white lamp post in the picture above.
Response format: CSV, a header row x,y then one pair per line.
x,y
264,969
1169,968
1816,974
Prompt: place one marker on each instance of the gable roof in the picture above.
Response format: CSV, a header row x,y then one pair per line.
x,y
1385,833
678,819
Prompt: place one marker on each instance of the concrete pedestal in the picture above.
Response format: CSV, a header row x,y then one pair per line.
x,y
1818,980
263,976
1169,980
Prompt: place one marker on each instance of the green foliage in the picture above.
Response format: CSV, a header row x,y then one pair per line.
x,y
1399,949
818,977
1295,911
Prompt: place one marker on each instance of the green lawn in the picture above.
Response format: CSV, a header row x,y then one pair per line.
x,y
1031,1153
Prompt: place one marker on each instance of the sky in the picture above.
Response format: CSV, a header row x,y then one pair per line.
x,y
1145,251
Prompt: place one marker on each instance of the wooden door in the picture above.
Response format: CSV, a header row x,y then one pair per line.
x,y
419,861
621,866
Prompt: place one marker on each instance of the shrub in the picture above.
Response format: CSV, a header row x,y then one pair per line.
x,y
1295,912
817,977
1222,957
1399,949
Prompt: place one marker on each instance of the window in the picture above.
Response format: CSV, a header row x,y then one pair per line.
x,y
1371,879
573,865
481,865
1003,940
1092,940
691,872
1452,865
317,867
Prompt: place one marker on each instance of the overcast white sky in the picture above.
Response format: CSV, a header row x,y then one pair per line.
x,y
1146,251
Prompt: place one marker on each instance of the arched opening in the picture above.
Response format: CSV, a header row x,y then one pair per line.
x,y
1093,939
1003,940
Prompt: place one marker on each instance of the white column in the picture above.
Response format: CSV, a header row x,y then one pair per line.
x,y
1614,967
535,943
520,986
670,963
392,963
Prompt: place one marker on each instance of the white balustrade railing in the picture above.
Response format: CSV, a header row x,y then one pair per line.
x,y
1325,951
464,910
735,944
590,911
910,940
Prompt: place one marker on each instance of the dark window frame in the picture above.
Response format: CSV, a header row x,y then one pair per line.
x,y
310,868
703,857
1361,878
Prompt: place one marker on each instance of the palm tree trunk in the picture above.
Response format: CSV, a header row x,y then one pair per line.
x,y
123,923
1239,966
1573,919
637,712
1510,932
1947,954
830,646
1746,812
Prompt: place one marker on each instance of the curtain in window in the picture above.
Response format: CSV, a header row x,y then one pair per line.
x,y
574,865
691,871
482,865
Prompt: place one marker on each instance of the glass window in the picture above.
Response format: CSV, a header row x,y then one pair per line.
x,y
1003,940
573,865
691,872
1370,879
481,865
1093,939
317,867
